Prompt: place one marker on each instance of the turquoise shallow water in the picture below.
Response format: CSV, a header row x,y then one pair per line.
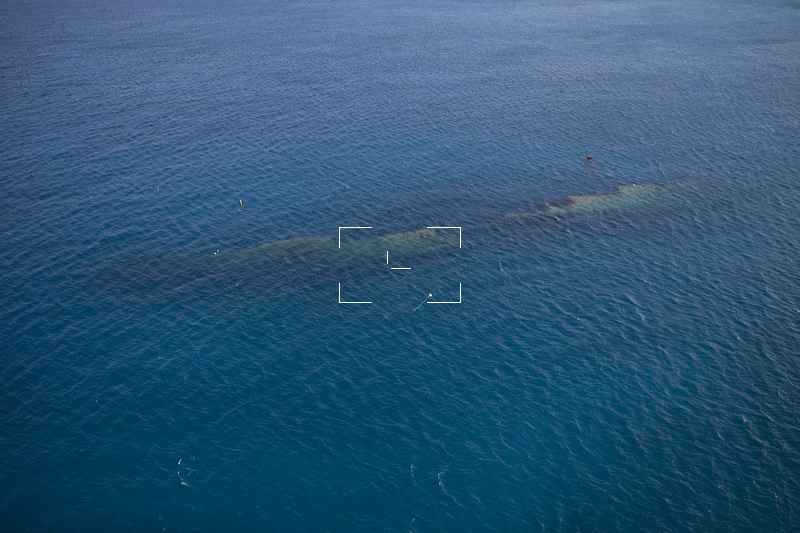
x,y
621,361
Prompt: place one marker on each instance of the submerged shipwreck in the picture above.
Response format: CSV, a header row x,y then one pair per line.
x,y
315,257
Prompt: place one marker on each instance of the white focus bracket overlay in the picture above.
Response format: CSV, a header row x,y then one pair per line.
x,y
395,268
459,245
449,227
350,227
400,268
340,245
340,298
459,297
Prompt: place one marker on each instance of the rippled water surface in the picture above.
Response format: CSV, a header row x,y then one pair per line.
x,y
625,357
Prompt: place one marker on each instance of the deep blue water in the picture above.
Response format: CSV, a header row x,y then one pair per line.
x,y
629,368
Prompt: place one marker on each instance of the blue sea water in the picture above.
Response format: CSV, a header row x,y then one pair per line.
x,y
632,367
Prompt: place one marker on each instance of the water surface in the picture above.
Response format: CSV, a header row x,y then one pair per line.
x,y
622,360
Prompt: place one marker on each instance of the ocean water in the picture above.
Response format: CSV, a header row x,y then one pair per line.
x,y
622,359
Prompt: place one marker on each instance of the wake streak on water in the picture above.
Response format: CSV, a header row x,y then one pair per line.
x,y
428,297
